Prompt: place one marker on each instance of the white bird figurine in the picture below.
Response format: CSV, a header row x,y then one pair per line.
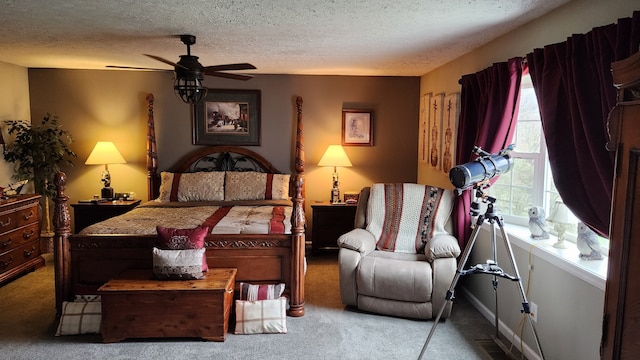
x,y
538,223
588,243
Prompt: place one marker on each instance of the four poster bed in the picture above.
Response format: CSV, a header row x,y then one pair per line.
x,y
269,250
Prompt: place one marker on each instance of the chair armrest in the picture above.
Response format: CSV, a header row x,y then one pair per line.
x,y
359,240
442,246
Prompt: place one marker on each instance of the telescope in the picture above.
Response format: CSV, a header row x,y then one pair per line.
x,y
483,168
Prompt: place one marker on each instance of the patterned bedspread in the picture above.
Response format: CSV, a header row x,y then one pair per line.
x,y
222,218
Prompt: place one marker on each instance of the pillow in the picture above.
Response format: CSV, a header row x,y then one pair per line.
x,y
80,317
197,186
252,185
261,317
181,239
403,217
177,264
260,292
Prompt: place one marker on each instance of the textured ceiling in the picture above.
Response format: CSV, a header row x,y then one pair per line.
x,y
322,37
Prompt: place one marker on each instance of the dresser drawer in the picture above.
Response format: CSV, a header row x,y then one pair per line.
x,y
7,222
19,256
27,215
18,237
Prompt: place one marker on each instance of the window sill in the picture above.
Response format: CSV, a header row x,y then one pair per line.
x,y
593,272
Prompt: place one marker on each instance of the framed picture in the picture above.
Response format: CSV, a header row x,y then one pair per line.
x,y
357,127
227,117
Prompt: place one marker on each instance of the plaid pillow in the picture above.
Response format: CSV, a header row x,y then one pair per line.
x,y
261,317
80,317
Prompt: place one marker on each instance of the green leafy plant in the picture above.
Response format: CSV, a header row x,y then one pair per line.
x,y
39,151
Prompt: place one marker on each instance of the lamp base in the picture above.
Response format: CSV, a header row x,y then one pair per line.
x,y
107,193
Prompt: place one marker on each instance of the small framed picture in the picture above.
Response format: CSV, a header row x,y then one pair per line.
x,y
357,127
227,117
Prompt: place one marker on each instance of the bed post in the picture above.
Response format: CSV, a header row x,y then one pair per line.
x,y
62,230
152,153
298,218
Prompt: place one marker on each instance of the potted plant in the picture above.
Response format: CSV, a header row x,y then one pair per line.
x,y
38,152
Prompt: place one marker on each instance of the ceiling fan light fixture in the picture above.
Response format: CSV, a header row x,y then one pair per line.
x,y
190,90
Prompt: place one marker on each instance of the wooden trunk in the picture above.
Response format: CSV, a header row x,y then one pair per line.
x,y
135,305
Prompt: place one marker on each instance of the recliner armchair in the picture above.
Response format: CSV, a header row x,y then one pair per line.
x,y
399,260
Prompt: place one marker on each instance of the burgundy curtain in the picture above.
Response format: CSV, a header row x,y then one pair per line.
x,y
575,93
488,104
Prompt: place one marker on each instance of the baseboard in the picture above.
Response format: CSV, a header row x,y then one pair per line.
x,y
527,351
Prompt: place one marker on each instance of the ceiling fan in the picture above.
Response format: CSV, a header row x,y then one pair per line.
x,y
190,73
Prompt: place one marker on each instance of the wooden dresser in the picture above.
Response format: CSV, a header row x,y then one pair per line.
x,y
19,236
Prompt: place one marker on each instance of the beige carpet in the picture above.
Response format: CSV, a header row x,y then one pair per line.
x,y
327,331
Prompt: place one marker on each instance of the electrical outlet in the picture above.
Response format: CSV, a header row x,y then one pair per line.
x,y
533,308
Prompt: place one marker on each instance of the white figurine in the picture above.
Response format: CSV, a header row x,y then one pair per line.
x,y
588,243
538,223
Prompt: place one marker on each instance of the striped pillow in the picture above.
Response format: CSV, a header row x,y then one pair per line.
x,y
260,292
252,185
197,186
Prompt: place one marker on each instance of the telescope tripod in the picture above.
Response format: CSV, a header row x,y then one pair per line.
x,y
490,268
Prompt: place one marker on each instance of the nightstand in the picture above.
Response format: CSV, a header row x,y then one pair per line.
x,y
86,214
329,222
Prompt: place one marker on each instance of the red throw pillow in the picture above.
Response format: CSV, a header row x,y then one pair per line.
x,y
181,239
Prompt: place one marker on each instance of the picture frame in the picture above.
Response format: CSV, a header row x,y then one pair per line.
x,y
357,127
227,117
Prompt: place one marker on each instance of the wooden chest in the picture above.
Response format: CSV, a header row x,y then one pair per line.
x,y
136,305
19,235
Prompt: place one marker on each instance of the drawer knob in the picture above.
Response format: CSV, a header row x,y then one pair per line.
x,y
29,253
7,243
5,223
6,263
27,235
28,216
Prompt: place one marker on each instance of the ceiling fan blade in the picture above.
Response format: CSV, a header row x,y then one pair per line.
x,y
228,75
165,61
227,67
135,68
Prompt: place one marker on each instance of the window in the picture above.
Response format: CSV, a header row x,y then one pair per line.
x,y
530,182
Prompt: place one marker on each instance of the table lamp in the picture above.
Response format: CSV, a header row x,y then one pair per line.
x,y
335,156
562,218
105,152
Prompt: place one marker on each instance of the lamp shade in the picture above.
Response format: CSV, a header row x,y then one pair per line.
x,y
560,214
335,156
105,152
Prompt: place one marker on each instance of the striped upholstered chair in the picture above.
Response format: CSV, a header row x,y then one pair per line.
x,y
399,260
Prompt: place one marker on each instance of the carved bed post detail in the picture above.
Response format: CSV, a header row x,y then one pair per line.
x,y
298,219
62,230
152,152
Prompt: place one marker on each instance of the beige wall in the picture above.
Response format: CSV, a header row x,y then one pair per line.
x,y
14,105
110,105
573,306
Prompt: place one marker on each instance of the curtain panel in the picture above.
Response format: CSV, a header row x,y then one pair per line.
x,y
575,92
488,115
